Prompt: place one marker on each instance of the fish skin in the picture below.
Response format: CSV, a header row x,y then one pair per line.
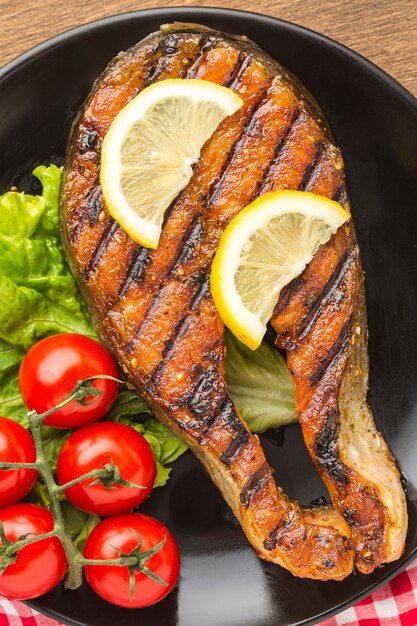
x,y
153,308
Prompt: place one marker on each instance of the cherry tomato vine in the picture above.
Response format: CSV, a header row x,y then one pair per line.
x,y
83,394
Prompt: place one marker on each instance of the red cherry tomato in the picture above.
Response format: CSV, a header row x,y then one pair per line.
x,y
94,446
111,582
39,566
51,369
16,446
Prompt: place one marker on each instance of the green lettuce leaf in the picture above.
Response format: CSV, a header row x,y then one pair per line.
x,y
25,259
170,446
39,297
260,385
129,406
20,214
90,522
28,315
10,359
50,179
11,403
79,523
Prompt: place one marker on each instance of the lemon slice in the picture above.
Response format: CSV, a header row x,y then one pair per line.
x,y
265,246
151,146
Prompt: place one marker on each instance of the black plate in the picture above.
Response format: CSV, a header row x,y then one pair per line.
x,y
374,120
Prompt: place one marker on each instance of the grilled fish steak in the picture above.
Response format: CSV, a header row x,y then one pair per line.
x,y
153,308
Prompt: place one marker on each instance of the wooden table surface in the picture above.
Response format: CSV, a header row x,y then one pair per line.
x,y
385,31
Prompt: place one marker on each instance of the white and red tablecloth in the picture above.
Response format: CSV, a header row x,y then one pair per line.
x,y
395,604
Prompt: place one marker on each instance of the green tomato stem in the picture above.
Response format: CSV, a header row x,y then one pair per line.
x,y
108,476
74,575
18,545
76,481
11,465
125,561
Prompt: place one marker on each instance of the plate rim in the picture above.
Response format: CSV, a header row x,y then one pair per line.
x,y
212,11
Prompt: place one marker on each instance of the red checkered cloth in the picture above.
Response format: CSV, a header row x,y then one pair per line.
x,y
395,604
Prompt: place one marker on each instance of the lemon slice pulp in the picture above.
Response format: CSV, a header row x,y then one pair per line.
x,y
149,150
264,247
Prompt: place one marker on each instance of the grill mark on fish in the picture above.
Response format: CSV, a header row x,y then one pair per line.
x,y
179,330
169,348
150,74
298,118
287,293
171,43
88,140
156,298
240,440
206,411
201,426
206,44
349,515
243,62
333,353
75,229
186,247
205,423
251,124
312,167
276,534
202,291
229,418
138,262
101,247
210,404
326,450
93,205
153,67
159,69
326,295
197,400
184,251
267,175
340,194
254,485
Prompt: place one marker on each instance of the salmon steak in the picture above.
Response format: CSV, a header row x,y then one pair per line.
x,y
154,311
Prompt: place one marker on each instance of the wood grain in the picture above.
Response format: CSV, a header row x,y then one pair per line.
x,y
384,31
